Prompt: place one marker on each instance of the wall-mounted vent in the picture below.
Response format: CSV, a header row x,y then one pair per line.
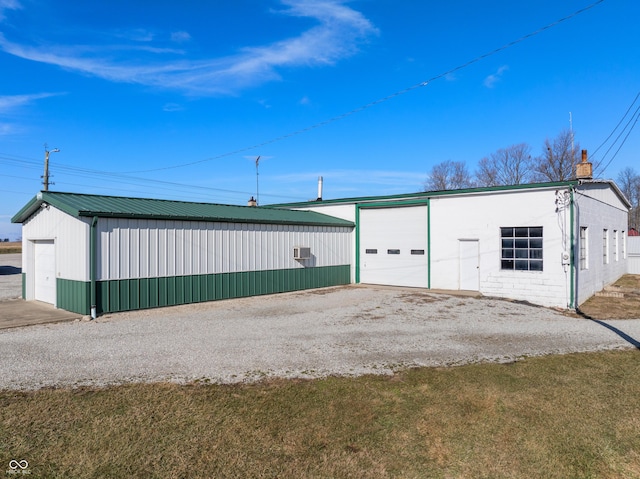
x,y
301,252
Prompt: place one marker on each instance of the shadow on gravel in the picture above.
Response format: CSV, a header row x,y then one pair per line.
x,y
622,334
6,270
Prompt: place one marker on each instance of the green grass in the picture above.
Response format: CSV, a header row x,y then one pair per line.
x,y
573,416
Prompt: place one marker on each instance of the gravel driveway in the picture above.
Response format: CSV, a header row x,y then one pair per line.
x,y
349,330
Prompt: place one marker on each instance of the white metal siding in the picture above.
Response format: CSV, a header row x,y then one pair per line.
x,y
633,254
394,229
148,248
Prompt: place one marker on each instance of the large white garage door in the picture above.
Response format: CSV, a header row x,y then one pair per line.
x,y
393,246
45,271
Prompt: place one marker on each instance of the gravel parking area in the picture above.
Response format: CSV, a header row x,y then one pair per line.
x,y
349,330
10,276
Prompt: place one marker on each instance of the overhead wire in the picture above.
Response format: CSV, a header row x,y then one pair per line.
x,y
126,174
380,100
635,114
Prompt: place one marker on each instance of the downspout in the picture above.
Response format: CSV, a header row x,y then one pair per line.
x,y
573,286
429,243
92,265
357,243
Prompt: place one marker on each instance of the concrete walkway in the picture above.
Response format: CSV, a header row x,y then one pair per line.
x,y
15,313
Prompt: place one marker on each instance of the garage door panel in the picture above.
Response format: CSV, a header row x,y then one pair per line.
x,y
393,244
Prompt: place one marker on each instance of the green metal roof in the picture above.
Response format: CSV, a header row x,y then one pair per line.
x,y
76,204
430,194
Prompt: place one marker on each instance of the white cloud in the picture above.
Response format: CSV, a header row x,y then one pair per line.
x,y
170,107
180,37
339,31
492,79
8,5
11,102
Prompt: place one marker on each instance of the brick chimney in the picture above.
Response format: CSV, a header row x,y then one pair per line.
x,y
584,169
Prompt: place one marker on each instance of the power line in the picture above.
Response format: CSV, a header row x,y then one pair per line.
x,y
636,114
381,100
618,137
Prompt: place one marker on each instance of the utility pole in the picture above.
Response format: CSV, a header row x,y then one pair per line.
x,y
257,190
45,177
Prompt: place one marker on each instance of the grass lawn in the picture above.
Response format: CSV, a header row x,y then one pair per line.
x,y
571,416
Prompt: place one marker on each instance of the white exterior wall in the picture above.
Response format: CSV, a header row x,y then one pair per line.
x,y
592,212
480,217
144,248
71,241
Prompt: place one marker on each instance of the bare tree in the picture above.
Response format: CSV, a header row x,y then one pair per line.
x,y
629,183
558,159
448,175
507,166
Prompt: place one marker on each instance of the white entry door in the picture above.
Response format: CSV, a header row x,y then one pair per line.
x,y
469,265
45,271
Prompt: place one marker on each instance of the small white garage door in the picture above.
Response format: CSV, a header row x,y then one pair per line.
x,y
393,246
45,271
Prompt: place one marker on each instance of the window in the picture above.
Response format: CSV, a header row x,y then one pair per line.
x,y
393,251
417,251
615,245
371,251
584,248
521,248
605,246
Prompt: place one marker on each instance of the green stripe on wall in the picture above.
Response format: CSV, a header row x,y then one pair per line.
x,y
130,294
24,285
74,296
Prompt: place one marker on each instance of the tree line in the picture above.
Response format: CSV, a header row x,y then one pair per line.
x,y
515,165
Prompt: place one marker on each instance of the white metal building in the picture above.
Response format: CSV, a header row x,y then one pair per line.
x,y
96,254
553,244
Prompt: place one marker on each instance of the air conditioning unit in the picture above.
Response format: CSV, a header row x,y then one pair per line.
x,y
301,252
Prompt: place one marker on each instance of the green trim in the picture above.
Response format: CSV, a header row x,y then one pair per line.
x,y
73,296
429,194
24,285
572,282
132,294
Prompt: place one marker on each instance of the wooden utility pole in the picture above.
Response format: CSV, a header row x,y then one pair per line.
x,y
45,177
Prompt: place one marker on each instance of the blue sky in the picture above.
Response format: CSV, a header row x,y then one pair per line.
x,y
176,99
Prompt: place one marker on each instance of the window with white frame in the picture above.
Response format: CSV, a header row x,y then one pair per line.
x,y
584,248
605,246
615,245
521,248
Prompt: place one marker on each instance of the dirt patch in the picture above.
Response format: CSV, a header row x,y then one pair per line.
x,y
619,301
